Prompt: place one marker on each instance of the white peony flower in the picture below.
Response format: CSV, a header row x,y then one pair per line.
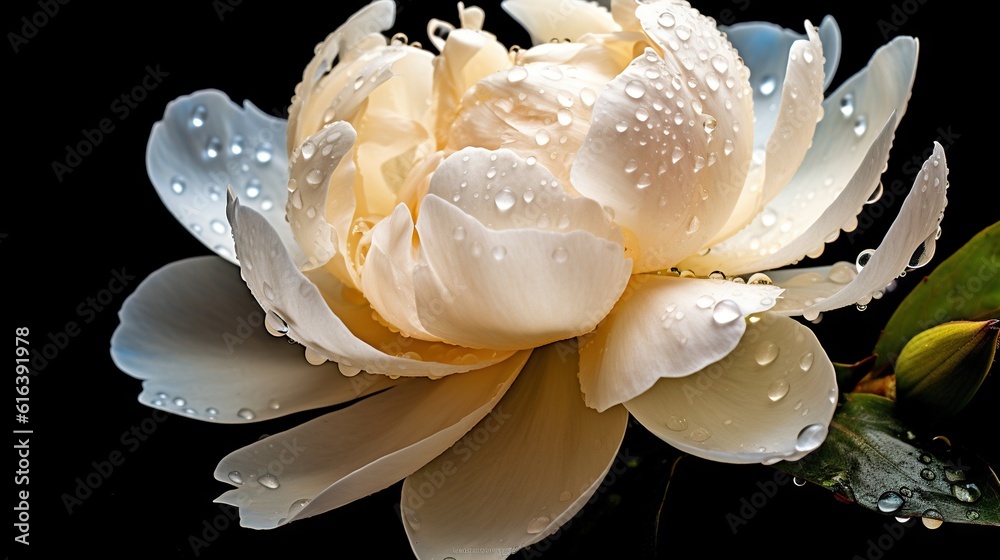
x,y
506,252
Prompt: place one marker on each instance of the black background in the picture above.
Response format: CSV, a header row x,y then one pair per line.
x,y
62,240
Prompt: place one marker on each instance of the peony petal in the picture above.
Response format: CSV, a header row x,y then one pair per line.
x,y
356,36
805,286
332,321
195,336
205,143
504,190
764,48
826,228
665,327
468,56
671,164
351,453
321,199
523,472
541,107
771,399
528,286
847,139
909,241
548,20
783,131
387,278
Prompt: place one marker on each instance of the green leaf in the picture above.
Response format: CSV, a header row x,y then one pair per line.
x,y
869,454
966,286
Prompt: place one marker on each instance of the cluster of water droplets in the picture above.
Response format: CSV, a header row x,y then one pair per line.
x,y
237,160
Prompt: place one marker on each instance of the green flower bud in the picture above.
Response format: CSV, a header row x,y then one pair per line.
x,y
941,368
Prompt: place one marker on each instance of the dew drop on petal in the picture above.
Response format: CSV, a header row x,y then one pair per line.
x,y
542,137
236,477
516,74
704,302
860,125
198,116
246,414
806,361
538,525
265,152
863,258
810,437
560,255
268,481
677,154
504,200
777,390
847,105
677,423
177,185
726,311
499,253
635,89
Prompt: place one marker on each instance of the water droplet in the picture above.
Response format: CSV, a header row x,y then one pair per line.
x,y
458,233
265,151
273,404
213,147
729,147
860,125
179,401
307,150
767,86
777,390
927,474
236,477
542,137
925,458
810,437
198,116
847,105
798,481
560,255
720,64
863,258
212,412
923,254
972,515
315,176
683,33
642,115
953,475
177,185
666,19
274,324
516,74
499,252
932,519
268,480
644,181
252,188
710,124
246,414
842,273
504,200
806,361
635,89
726,311
766,352
677,154
705,302
565,496
538,525
700,434
890,502
876,194
677,423
967,492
